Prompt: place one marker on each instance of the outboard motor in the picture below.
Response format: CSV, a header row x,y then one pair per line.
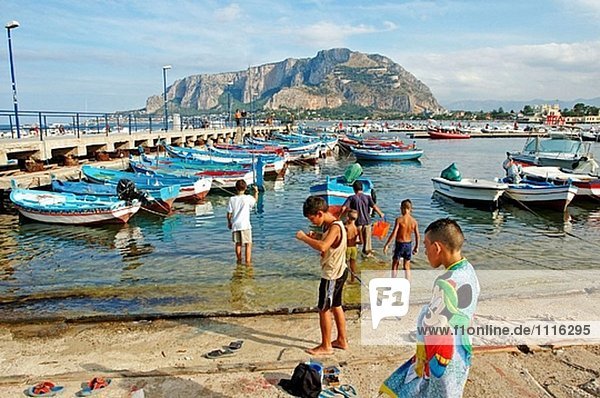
x,y
127,191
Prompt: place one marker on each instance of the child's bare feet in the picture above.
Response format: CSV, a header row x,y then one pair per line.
x,y
339,344
320,350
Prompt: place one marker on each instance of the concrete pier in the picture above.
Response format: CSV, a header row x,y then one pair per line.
x,y
87,145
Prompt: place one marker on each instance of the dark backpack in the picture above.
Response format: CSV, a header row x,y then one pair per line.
x,y
305,382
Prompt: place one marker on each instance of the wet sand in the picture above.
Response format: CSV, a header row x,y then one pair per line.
x,y
165,359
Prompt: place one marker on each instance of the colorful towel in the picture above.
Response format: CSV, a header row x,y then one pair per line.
x,y
441,364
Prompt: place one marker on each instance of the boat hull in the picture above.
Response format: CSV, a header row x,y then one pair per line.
x,y
386,155
472,191
335,192
119,216
546,196
438,135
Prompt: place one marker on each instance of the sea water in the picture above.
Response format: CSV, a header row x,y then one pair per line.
x,y
186,262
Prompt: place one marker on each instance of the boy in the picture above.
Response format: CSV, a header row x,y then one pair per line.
x,y
441,364
238,220
334,272
353,238
363,204
405,226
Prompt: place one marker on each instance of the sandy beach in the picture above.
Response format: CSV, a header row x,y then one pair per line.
x,y
165,359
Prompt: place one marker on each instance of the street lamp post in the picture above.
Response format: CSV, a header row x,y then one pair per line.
x,y
164,68
11,25
229,103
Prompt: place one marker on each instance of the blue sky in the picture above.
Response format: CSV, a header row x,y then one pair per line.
x,y
108,55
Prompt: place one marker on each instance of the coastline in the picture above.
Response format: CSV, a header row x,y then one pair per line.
x,y
164,357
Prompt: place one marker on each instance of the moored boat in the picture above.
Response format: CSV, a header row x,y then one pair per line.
x,y
543,194
386,154
441,133
67,208
191,189
157,201
470,190
585,177
335,191
551,152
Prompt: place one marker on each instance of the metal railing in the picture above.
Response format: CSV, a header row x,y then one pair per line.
x,y
42,124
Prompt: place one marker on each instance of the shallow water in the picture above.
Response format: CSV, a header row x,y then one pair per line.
x,y
186,262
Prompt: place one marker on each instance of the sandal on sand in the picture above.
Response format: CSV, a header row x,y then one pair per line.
x,y
235,345
44,389
93,386
328,393
346,390
214,354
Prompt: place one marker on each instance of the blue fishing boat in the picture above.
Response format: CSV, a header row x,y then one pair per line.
x,y
386,153
335,190
191,189
156,201
221,179
273,165
67,208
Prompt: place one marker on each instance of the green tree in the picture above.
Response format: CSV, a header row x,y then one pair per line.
x,y
528,110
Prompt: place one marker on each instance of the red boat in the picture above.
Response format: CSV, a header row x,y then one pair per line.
x,y
436,133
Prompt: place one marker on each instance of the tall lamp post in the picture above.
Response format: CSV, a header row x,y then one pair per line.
x,y
11,25
164,68
229,84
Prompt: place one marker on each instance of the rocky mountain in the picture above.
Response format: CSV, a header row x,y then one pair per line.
x,y
332,78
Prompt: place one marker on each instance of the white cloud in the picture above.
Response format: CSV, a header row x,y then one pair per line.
x,y
328,34
228,14
552,70
389,25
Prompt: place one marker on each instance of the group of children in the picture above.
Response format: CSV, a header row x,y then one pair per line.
x,y
338,248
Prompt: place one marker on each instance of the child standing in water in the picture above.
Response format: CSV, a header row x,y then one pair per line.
x,y
405,226
353,239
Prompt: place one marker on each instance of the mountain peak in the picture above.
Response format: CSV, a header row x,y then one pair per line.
x,y
332,78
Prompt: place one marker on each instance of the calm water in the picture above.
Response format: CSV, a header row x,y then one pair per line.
x,y
186,262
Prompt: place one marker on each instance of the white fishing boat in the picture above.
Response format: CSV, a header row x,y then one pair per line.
x,y
541,194
551,152
67,208
470,190
585,177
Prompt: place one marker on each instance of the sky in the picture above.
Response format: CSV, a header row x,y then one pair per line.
x,y
104,56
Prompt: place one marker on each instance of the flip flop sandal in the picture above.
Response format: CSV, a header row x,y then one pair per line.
x,y
93,386
328,393
214,354
44,389
346,390
331,370
235,345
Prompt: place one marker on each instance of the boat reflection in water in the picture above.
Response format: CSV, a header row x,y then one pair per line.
x,y
204,212
467,213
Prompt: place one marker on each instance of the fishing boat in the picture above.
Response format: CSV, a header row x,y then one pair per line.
x,y
156,201
273,165
191,189
335,191
67,208
551,152
221,179
585,177
471,191
444,133
386,153
542,194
